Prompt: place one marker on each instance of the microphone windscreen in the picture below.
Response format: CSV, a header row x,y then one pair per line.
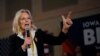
x,y
27,31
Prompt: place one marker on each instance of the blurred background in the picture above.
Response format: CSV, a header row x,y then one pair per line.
x,y
47,16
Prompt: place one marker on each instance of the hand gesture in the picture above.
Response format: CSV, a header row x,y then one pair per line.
x,y
67,22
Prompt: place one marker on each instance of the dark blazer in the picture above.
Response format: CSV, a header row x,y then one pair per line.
x,y
41,38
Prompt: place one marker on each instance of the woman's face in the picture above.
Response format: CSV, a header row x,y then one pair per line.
x,y
24,20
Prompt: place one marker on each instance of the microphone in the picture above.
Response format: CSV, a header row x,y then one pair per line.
x,y
27,32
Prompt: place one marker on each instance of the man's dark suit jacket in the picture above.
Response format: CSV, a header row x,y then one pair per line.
x,y
41,38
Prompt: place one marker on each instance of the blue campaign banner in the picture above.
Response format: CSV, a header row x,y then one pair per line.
x,y
85,32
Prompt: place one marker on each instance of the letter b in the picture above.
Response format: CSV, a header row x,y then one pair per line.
x,y
89,37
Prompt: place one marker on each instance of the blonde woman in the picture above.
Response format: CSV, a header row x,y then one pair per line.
x,y
20,42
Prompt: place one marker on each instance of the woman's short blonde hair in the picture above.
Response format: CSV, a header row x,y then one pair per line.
x,y
16,26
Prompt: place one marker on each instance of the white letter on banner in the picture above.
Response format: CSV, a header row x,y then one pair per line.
x,y
89,37
98,34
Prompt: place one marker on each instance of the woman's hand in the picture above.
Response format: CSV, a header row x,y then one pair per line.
x,y
67,22
27,42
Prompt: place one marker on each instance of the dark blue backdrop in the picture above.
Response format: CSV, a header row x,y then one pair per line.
x,y
85,32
